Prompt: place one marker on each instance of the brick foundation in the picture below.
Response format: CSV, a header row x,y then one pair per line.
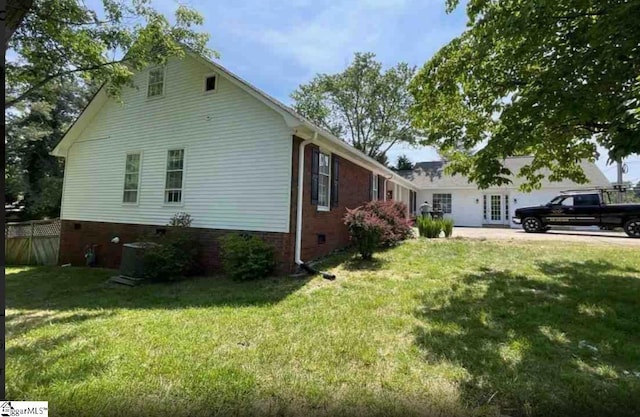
x,y
75,235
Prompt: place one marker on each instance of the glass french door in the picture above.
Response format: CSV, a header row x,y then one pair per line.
x,y
496,209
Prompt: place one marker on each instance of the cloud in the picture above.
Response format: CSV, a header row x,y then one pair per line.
x,y
323,37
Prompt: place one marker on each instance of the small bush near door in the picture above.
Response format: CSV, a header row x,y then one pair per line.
x,y
246,257
447,227
432,228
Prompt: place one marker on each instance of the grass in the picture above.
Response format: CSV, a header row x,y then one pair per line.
x,y
433,327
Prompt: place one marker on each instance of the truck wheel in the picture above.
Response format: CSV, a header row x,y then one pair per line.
x,y
532,225
632,228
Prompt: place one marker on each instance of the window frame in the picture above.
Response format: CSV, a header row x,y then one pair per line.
x,y
124,184
164,78
166,172
204,85
440,205
374,187
322,207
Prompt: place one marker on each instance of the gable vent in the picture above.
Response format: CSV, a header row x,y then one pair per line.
x,y
210,83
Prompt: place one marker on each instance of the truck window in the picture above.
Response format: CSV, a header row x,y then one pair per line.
x,y
586,200
568,201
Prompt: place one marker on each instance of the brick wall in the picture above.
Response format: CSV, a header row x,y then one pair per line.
x,y
74,235
353,191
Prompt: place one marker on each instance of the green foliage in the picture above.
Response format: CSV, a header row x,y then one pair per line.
x,y
66,38
404,163
174,256
549,79
181,219
428,227
363,105
447,227
246,257
33,130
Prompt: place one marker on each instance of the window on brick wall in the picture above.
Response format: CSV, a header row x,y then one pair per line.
x,y
324,180
131,178
374,187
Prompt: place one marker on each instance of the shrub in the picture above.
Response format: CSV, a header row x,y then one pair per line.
x,y
447,227
174,256
428,227
396,225
246,257
365,230
181,219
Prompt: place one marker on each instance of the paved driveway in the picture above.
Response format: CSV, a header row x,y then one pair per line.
x,y
592,236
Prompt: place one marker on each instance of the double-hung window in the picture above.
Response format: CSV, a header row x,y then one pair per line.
x,y
374,187
131,178
442,202
175,171
155,87
324,174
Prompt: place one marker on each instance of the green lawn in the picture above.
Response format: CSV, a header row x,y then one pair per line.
x,y
447,327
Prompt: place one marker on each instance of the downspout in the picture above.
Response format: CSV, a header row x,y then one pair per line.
x,y
298,248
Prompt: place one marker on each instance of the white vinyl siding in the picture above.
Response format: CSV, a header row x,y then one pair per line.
x,y
131,178
155,84
175,174
324,181
237,155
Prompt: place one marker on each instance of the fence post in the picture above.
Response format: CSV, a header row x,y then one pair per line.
x,y
30,244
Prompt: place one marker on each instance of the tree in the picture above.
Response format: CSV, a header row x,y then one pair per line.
x,y
404,163
363,105
549,79
59,38
33,130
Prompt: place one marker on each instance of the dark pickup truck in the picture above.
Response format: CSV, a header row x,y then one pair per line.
x,y
580,208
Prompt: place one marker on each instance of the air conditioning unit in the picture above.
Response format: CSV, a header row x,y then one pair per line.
x,y
132,264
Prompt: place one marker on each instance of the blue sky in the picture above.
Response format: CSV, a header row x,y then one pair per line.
x,y
277,45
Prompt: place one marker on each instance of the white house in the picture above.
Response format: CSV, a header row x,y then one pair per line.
x,y
468,206
193,137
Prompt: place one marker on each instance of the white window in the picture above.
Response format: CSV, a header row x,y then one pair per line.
x,y
324,181
131,178
155,87
175,170
374,187
442,202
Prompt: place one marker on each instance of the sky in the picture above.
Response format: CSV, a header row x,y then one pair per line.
x,y
277,45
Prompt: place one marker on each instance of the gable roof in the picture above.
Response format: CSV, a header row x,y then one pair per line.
x,y
430,174
301,126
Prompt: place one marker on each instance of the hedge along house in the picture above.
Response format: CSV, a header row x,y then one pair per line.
x,y
193,137
469,206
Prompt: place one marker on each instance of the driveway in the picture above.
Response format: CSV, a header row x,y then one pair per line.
x,y
591,236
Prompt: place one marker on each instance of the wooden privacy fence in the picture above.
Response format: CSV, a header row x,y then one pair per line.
x,y
35,242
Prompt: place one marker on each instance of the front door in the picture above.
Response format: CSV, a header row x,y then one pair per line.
x,y
496,210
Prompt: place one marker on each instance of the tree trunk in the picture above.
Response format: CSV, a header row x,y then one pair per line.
x,y
15,12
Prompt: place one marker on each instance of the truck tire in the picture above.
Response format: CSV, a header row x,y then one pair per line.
x,y
532,225
632,228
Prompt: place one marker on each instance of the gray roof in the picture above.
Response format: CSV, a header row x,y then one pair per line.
x,y
430,174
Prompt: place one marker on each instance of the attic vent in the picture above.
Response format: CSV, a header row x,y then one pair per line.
x,y
210,83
